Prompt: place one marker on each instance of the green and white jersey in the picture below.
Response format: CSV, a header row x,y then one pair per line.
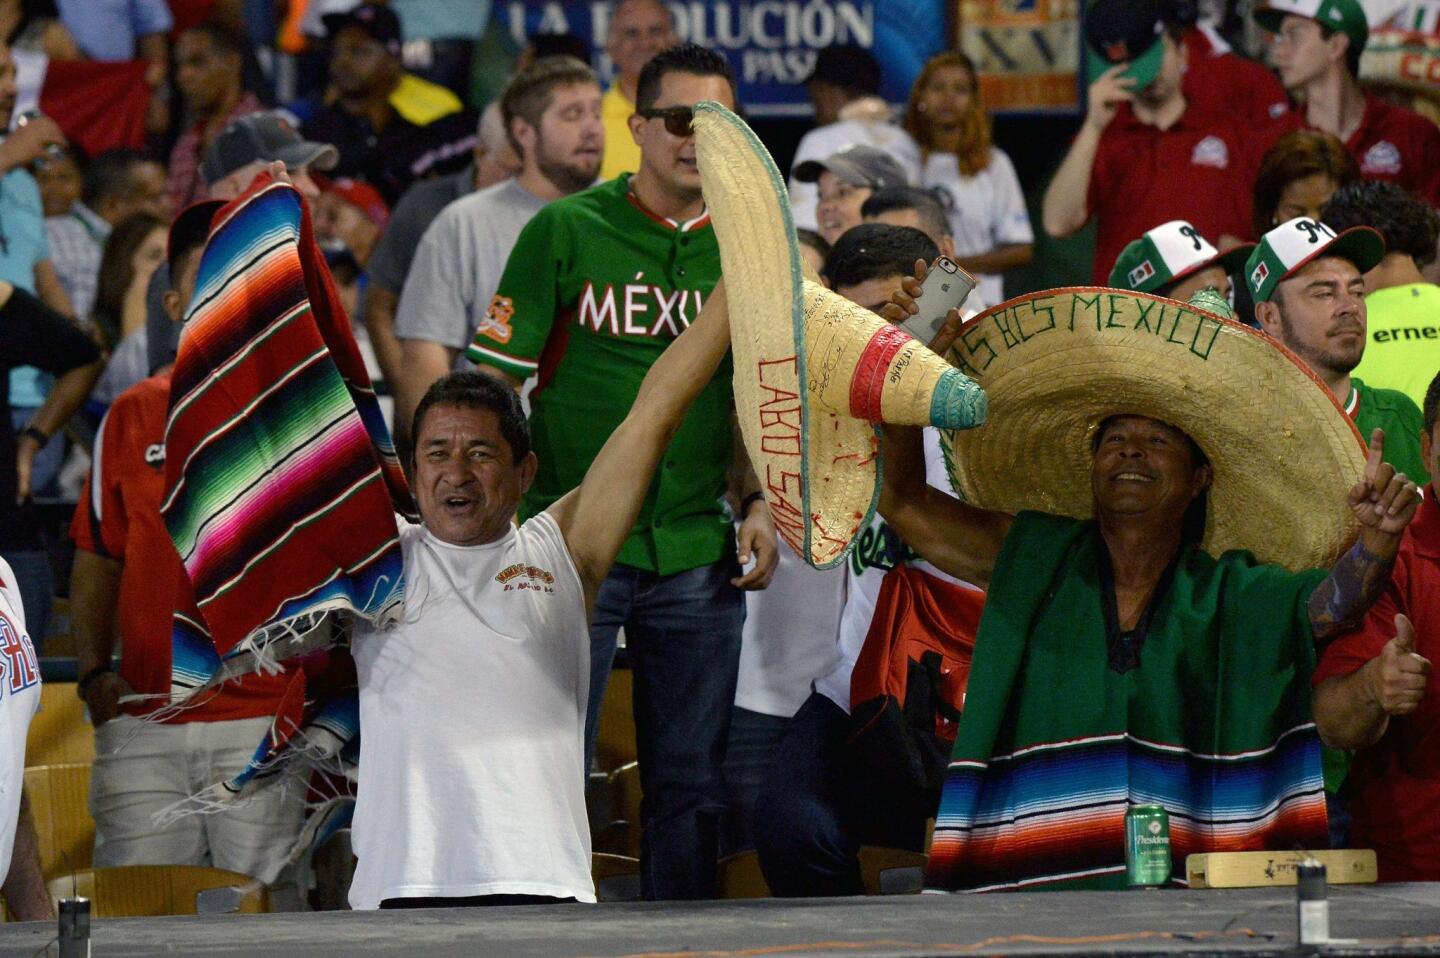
x,y
1394,412
594,290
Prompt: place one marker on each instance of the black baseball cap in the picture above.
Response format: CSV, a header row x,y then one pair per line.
x,y
858,165
263,137
380,23
1128,31
847,66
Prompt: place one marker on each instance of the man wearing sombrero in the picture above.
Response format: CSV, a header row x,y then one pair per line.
x,y
1153,503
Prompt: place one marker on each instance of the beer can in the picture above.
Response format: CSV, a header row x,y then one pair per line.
x,y
1147,846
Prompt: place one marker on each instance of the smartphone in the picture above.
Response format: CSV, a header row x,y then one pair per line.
x,y
946,287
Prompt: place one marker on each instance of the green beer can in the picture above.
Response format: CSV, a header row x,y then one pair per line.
x,y
1147,846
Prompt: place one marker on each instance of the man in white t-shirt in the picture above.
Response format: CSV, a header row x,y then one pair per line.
x,y
473,705
844,86
815,810
24,888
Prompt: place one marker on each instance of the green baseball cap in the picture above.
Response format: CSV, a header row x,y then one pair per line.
x,y
1126,31
1287,248
1343,16
1170,252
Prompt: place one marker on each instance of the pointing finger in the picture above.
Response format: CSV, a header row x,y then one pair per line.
x,y
1376,455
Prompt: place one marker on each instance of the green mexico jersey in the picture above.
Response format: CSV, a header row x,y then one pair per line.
x,y
1397,414
594,290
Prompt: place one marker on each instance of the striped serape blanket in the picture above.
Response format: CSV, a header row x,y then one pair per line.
x,y
282,484
1204,711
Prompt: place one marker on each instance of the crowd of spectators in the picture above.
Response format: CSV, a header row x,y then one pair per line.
x,y
556,240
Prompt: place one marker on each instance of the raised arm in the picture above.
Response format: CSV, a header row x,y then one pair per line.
x,y
956,538
597,517
1384,502
1353,711
1064,210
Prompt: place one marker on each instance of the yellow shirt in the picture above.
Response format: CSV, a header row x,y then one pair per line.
x,y
422,102
622,153
1403,347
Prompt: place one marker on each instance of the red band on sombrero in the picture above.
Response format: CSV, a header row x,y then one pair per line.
x,y
869,381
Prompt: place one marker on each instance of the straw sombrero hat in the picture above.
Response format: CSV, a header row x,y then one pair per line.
x,y
813,371
1056,364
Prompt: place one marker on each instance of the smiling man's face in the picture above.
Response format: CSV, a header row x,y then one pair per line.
x,y
467,483
1143,465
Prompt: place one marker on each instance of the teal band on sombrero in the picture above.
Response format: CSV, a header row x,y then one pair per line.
x,y
958,402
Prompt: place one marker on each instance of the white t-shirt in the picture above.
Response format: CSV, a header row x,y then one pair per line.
x,y
472,777
19,701
865,567
988,210
789,636
825,141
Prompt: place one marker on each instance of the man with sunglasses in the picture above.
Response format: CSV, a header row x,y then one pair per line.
x,y
596,287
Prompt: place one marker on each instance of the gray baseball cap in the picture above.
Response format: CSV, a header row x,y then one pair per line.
x,y
263,137
857,165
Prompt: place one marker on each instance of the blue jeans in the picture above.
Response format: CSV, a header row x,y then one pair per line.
x,y
813,814
37,591
683,637
749,755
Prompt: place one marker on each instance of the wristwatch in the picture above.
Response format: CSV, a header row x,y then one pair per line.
x,y
35,433
91,676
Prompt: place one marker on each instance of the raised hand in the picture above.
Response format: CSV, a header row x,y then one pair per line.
x,y
1399,674
1106,94
1383,501
902,304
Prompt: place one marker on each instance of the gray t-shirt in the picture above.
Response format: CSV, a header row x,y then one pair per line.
x,y
390,262
459,263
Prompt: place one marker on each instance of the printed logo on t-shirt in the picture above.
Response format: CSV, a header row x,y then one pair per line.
x,y
155,454
1382,159
1141,273
18,667
1211,151
1279,109
521,578
496,322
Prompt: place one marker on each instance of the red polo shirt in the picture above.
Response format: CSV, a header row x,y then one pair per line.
x,y
1393,144
1200,169
1395,784
1217,80
119,517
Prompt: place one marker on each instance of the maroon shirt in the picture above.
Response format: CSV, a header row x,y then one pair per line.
x,y
1392,144
1200,169
1220,81
1394,785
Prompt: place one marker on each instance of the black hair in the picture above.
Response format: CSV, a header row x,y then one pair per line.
x,y
931,204
472,390
1431,411
813,240
187,236
1352,50
108,174
874,250
559,45
222,38
1408,224
686,58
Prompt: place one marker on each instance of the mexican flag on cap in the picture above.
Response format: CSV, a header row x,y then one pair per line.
x,y
1342,16
1292,245
1170,252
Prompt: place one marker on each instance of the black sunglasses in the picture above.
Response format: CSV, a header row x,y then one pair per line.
x,y
678,119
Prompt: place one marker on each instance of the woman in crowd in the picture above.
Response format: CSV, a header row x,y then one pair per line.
x,y
1298,175
133,251
988,219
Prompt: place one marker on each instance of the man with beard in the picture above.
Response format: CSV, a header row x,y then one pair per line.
x,y
1310,295
1143,155
551,113
598,284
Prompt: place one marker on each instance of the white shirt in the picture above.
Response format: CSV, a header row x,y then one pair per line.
x,y
472,778
825,141
789,636
865,567
19,701
988,210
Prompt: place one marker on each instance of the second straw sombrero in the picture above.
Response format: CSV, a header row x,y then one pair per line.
x,y
813,370
1058,363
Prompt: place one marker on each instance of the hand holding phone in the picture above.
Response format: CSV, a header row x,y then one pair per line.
x,y
946,287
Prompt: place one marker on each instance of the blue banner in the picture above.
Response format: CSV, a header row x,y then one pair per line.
x,y
771,44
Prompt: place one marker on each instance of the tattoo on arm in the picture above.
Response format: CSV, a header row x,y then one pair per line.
x,y
1341,601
